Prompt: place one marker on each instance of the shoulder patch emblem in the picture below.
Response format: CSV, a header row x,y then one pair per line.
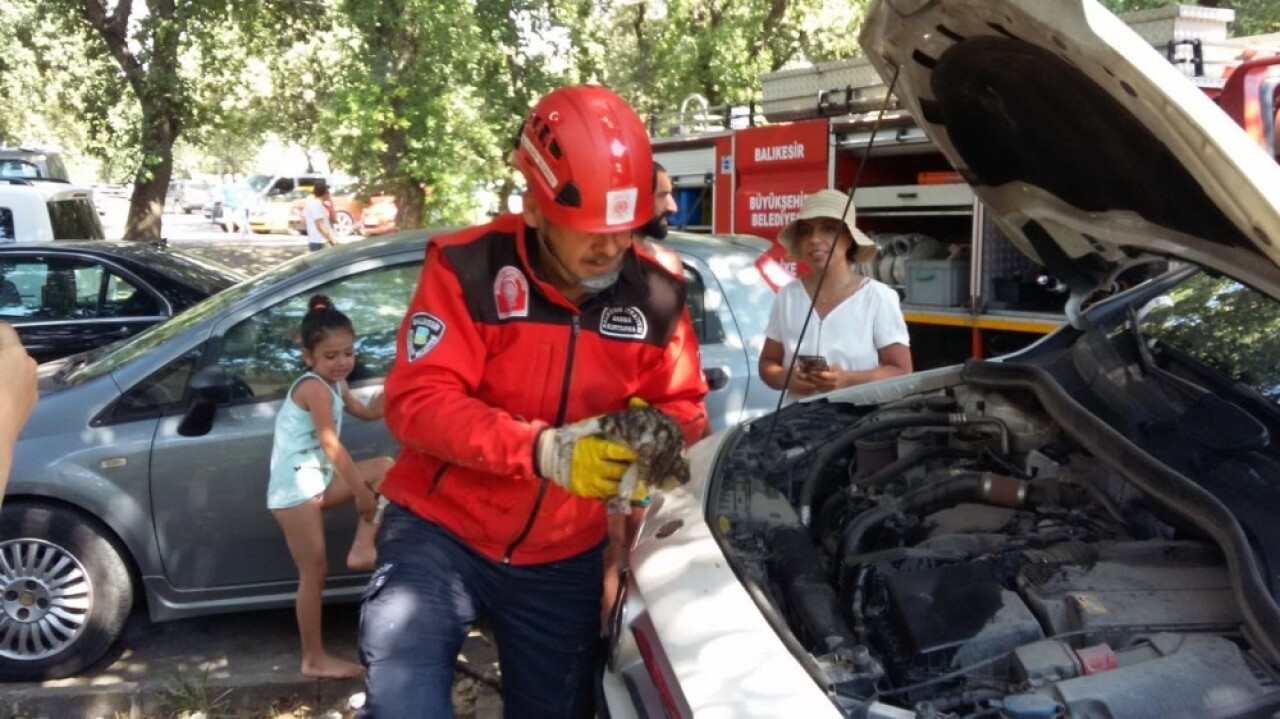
x,y
511,293
425,331
624,322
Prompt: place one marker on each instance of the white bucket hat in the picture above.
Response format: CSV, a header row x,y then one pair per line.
x,y
831,204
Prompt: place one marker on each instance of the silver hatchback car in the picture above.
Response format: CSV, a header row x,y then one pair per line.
x,y
142,473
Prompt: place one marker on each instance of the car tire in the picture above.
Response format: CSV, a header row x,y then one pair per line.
x,y
344,225
65,592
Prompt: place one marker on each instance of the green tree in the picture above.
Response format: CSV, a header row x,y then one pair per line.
x,y
430,97
658,54
175,61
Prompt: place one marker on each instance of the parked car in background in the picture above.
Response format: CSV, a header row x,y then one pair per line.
x,y
68,297
350,202
139,456
271,214
1083,529
187,196
32,163
275,211
379,216
41,210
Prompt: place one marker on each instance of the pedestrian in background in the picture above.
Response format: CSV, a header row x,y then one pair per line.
x,y
655,230
315,215
235,209
518,330
306,454
17,396
857,332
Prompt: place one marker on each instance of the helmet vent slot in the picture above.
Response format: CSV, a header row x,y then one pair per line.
x,y
569,196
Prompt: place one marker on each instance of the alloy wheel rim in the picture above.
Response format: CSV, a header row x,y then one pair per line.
x,y
344,225
45,597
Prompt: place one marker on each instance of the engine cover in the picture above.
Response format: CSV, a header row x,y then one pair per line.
x,y
955,615
1134,586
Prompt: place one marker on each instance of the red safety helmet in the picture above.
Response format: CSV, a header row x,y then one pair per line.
x,y
586,157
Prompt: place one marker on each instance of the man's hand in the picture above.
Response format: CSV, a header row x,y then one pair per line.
x,y
17,395
17,383
584,464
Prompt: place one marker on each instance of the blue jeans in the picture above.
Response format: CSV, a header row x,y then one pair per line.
x,y
428,591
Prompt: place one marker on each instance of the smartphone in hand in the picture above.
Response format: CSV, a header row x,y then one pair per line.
x,y
812,363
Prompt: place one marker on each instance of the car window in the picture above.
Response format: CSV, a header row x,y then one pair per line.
x,y
8,233
1224,325
163,391
18,168
40,288
706,322
75,219
263,353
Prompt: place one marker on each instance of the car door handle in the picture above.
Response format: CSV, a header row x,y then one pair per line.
x,y
716,377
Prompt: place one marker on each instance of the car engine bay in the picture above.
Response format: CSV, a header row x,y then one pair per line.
x,y
986,545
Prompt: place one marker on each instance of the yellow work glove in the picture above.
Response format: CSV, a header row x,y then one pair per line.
x,y
584,464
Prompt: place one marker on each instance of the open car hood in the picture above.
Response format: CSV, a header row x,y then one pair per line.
x,y
1090,149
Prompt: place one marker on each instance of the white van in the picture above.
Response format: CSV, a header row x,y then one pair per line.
x,y
36,210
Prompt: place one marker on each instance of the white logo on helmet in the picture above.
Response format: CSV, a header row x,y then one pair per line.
x,y
532,152
621,206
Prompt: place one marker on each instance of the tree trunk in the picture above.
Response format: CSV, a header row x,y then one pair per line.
x,y
151,182
153,78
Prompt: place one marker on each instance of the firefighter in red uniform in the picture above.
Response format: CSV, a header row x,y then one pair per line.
x,y
517,328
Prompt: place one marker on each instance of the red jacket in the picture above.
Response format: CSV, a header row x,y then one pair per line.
x,y
488,355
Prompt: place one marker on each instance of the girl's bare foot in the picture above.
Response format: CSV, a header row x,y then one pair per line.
x,y
328,667
363,556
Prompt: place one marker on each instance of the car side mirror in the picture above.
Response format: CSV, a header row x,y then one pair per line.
x,y
210,386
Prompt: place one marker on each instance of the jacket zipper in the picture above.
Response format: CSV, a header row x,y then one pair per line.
x,y
560,412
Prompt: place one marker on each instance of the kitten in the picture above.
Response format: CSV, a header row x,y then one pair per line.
x,y
652,435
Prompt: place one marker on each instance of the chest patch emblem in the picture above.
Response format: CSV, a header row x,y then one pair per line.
x,y
425,331
624,322
511,293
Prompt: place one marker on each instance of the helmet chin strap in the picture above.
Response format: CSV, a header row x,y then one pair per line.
x,y
599,283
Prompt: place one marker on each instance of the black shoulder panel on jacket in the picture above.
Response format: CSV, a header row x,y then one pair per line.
x,y
494,282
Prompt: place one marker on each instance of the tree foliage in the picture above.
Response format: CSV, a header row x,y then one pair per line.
x,y
417,96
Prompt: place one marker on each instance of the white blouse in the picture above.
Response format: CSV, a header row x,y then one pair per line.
x,y
849,337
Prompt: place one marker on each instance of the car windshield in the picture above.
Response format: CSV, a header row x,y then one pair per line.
x,y
1226,327
258,183
95,364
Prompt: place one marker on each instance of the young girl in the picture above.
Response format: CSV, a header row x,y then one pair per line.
x,y
305,456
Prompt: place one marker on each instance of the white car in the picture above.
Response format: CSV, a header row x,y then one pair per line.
x,y
1084,529
40,210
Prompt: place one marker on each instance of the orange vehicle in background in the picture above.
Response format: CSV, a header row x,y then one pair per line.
x,y
355,210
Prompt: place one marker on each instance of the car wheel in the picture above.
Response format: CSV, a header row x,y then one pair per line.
x,y
343,224
65,593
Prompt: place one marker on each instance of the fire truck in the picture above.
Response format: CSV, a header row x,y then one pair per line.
x,y
966,291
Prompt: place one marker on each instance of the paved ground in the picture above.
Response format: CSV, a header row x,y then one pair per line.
x,y
234,665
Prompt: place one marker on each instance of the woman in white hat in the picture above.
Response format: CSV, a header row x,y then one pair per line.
x,y
857,333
